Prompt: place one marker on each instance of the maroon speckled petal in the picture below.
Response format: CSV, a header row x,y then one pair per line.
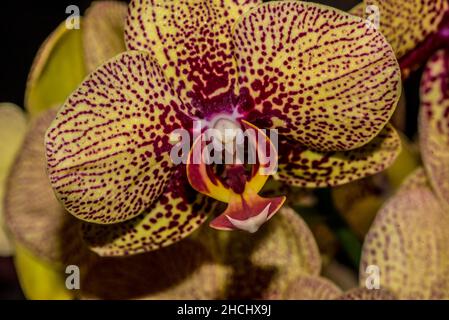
x,y
191,39
33,215
319,75
434,123
301,167
178,212
108,147
406,23
407,242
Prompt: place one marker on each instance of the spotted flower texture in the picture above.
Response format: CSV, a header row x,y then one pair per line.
x,y
415,28
408,238
281,261
325,80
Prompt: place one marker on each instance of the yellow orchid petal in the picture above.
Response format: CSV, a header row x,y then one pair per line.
x,y
301,167
264,263
175,215
12,131
321,76
434,123
407,23
408,243
40,280
366,294
311,288
34,216
191,39
57,70
103,32
185,270
108,149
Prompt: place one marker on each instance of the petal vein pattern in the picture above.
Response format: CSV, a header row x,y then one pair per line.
x,y
108,147
191,39
320,76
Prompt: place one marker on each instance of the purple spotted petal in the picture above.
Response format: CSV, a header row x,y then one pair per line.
x,y
434,123
108,147
299,166
173,216
191,39
321,76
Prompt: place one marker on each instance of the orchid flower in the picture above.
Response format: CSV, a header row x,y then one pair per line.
x,y
281,261
60,65
409,237
324,79
206,265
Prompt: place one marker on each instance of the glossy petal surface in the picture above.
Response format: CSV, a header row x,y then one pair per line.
x,y
434,123
108,147
57,70
408,242
173,216
405,23
319,75
12,131
103,32
299,166
191,40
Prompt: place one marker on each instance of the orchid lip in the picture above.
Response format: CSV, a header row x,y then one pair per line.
x,y
235,185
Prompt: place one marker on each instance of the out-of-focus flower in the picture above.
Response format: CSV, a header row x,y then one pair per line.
x,y
410,235
281,261
67,55
206,265
12,131
358,202
227,63
416,29
59,67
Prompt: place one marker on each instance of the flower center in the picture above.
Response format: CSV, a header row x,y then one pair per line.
x,y
227,129
236,184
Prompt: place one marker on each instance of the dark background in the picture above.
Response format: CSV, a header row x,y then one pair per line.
x,y
24,26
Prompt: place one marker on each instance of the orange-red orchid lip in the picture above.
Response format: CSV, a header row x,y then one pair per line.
x,y
246,210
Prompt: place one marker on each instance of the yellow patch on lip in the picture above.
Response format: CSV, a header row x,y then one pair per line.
x,y
246,210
